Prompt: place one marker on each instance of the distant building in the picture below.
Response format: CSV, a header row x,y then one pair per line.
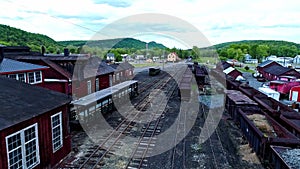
x,y
248,59
296,59
284,61
173,57
110,56
140,57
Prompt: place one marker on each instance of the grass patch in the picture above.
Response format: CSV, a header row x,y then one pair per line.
x,y
244,70
211,60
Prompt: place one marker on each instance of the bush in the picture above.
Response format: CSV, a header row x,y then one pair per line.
x,y
247,68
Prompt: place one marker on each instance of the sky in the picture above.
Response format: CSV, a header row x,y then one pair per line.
x,y
176,23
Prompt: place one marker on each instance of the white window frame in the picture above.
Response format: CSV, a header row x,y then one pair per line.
x,y
23,148
89,86
97,84
17,76
117,77
60,130
34,77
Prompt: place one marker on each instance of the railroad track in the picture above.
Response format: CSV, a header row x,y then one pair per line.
x,y
147,139
96,153
218,154
179,151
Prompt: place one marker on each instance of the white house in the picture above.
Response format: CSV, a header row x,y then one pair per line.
x,y
296,59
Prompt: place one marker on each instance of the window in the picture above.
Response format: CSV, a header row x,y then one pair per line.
x,y
117,77
13,76
35,77
97,84
89,87
21,77
56,124
23,149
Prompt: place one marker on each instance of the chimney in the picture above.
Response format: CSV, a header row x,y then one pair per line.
x,y
66,52
43,50
1,54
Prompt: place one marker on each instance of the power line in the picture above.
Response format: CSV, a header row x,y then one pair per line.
x,y
52,16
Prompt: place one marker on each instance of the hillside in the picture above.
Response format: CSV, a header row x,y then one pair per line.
x,y
11,36
257,42
258,49
114,43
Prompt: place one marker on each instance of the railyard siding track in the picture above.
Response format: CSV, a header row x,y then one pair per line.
x,y
185,154
96,153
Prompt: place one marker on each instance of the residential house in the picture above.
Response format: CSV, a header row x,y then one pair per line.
x,y
172,57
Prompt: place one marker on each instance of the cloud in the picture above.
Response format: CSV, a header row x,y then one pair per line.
x,y
219,21
116,3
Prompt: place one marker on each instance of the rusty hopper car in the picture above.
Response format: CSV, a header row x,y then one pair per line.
x,y
284,157
262,131
235,100
291,121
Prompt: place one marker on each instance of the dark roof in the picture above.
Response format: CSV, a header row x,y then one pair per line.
x,y
265,63
121,66
52,57
9,65
20,101
59,69
277,70
223,65
95,67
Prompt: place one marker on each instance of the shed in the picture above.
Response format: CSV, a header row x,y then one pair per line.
x,y
232,72
294,94
274,71
33,125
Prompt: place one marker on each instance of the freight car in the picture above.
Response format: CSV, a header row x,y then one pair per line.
x,y
154,71
261,131
90,107
292,122
185,85
284,157
235,100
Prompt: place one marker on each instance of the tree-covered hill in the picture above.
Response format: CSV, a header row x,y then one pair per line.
x,y
258,49
126,43
11,36
257,42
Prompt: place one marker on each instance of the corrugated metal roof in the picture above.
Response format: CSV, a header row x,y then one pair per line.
x,y
20,101
9,65
92,98
277,70
228,70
